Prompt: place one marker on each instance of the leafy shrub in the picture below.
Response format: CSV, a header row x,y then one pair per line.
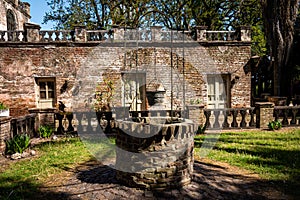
x,y
2,106
45,131
17,144
201,129
274,125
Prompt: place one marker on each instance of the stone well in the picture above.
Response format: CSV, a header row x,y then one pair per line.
x,y
155,153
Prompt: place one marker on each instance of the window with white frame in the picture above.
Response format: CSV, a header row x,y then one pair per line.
x,y
46,92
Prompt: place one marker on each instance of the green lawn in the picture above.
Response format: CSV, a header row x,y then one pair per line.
x,y
274,155
23,178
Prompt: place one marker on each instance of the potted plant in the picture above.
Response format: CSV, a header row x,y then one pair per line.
x,y
4,110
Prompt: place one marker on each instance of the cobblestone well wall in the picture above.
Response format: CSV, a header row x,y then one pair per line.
x,y
155,156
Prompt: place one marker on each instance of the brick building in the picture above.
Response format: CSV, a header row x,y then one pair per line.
x,y
40,68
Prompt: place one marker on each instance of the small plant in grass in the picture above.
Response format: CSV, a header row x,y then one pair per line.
x,y
45,131
17,144
274,125
201,129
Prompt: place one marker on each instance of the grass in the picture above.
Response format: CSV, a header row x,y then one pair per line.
x,y
274,155
22,180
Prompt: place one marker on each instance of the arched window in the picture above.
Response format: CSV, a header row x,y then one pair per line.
x,y
11,21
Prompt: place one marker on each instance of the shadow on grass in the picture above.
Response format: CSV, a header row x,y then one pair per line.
x,y
28,189
283,161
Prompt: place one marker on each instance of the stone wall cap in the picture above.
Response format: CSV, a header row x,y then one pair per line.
x,y
32,25
42,110
264,104
195,106
5,119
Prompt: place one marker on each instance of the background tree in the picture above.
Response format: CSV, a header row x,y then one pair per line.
x,y
279,19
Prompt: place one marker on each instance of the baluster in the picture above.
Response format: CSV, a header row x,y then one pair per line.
x,y
64,36
108,116
32,123
276,114
243,122
217,115
89,116
252,122
294,114
69,117
42,34
60,128
234,120
2,33
50,33
56,33
79,117
285,117
98,119
207,114
225,123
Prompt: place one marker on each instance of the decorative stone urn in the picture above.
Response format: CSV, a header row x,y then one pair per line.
x,y
155,153
4,113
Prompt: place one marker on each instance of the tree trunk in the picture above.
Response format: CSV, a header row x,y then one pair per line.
x,y
279,20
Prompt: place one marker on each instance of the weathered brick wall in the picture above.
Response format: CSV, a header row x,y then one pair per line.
x,y
21,11
20,66
77,69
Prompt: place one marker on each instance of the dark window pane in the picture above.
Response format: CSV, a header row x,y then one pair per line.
x,y
43,94
42,86
51,95
50,85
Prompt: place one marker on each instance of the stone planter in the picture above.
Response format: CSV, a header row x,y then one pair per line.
x,y
155,153
4,113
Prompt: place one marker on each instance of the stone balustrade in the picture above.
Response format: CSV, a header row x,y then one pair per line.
x,y
288,115
12,36
32,33
55,36
9,127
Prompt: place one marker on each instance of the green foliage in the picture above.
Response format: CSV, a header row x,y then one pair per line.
x,y
201,129
274,125
17,144
3,106
45,131
178,14
259,43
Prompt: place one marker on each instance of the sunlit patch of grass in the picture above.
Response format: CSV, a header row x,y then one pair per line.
x,y
24,177
273,155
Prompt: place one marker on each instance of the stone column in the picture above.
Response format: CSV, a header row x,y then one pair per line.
x,y
44,117
264,114
196,114
4,132
245,33
80,34
118,33
201,33
155,33
32,32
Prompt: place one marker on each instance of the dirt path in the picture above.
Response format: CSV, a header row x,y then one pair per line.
x,y
212,180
